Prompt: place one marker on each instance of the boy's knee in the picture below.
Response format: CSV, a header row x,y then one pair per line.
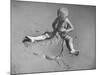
x,y
68,37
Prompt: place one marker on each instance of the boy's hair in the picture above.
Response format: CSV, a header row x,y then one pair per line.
x,y
62,11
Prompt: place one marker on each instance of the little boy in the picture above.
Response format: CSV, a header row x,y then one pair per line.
x,y
62,26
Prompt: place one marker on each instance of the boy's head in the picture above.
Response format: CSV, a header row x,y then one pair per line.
x,y
62,12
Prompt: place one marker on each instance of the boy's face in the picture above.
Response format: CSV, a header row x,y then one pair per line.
x,y
62,15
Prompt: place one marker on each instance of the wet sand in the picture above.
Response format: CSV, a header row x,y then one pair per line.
x,y
34,19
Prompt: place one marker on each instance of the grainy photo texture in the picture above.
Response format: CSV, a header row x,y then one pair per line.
x,y
51,37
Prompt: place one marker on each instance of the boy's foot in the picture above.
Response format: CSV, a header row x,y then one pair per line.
x,y
75,52
27,39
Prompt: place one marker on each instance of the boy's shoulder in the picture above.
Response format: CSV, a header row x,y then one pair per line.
x,y
66,19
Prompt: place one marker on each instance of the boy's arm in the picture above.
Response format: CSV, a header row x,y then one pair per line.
x,y
54,24
69,25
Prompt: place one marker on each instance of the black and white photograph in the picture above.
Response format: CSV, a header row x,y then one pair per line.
x,y
52,37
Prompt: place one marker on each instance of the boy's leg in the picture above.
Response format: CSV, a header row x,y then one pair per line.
x,y
37,38
69,44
